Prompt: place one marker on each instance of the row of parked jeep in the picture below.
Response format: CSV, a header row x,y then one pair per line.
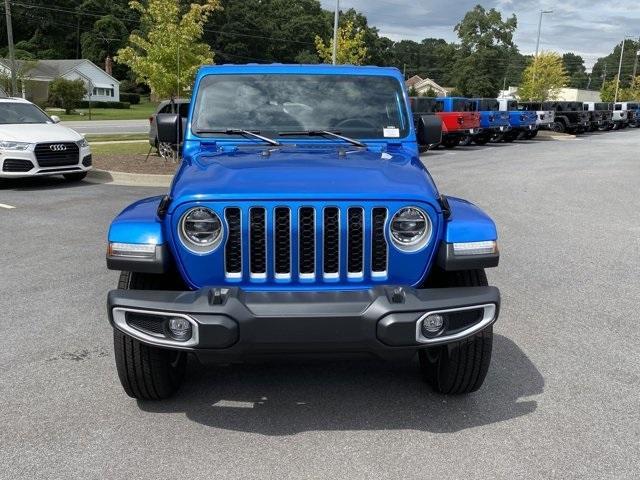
x,y
480,120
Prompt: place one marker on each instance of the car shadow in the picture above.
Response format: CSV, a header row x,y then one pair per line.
x,y
279,398
40,183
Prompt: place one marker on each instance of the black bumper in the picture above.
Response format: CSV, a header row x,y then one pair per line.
x,y
233,323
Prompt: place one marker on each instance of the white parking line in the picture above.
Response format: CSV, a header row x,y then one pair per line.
x,y
4,205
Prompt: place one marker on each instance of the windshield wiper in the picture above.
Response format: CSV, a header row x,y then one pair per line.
x,y
239,131
324,133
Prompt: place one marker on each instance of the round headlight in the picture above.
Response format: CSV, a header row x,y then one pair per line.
x,y
200,230
410,229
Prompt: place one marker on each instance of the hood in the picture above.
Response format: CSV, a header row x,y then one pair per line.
x,y
301,173
38,132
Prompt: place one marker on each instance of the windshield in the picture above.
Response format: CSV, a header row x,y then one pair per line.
x,y
21,113
463,105
488,104
354,105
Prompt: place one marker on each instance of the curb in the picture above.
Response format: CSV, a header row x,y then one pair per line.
x,y
129,179
555,136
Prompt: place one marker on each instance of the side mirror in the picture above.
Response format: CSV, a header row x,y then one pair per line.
x,y
428,129
170,128
55,119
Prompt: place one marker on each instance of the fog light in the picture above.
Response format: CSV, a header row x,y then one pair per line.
x,y
180,328
432,324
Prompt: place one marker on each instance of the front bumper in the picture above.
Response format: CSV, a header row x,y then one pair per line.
x,y
231,324
9,160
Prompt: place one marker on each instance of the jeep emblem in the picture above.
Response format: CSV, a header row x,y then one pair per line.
x,y
58,147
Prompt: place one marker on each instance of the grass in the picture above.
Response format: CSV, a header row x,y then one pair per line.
x,y
136,112
120,149
114,137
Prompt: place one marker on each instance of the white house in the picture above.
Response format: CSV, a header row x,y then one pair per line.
x,y
423,85
564,95
35,76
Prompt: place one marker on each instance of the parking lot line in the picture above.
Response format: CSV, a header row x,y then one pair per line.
x,y
4,205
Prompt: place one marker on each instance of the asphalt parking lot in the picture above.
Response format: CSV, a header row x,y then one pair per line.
x,y
561,399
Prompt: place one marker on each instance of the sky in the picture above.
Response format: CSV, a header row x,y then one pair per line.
x,y
588,28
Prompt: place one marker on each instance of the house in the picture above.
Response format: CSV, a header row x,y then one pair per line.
x,y
423,85
564,95
34,77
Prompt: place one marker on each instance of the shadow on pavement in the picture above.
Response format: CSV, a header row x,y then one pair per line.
x,y
39,183
288,398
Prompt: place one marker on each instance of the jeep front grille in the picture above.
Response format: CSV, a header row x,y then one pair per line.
x,y
57,154
308,243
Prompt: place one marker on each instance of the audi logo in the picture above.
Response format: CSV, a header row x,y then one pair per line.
x,y
58,147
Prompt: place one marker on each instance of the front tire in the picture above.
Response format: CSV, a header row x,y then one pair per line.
x,y
145,372
74,177
459,367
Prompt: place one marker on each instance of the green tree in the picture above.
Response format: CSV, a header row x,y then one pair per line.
x,y
169,53
609,63
543,78
574,66
486,43
413,92
66,93
430,93
632,92
266,31
351,48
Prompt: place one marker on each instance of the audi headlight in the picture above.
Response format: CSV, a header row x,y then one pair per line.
x,y
82,143
410,229
200,230
8,145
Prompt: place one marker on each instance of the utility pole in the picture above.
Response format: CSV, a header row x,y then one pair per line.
x,y
542,12
335,30
604,75
12,54
615,98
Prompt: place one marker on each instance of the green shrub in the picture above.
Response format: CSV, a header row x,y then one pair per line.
x,y
132,98
117,105
66,94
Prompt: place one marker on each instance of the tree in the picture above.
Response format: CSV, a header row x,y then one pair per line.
x,y
632,92
609,64
543,78
486,43
574,65
168,55
430,93
608,91
351,48
413,92
66,93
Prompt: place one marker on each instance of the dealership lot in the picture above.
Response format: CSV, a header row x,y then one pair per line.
x,y
561,399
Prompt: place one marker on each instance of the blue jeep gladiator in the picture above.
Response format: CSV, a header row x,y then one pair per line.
x,y
301,221
522,122
493,122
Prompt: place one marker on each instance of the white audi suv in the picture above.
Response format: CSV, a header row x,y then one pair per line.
x,y
33,143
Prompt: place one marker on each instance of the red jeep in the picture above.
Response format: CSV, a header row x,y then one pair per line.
x,y
459,116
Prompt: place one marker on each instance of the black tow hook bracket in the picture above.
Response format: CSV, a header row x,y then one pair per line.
x,y
398,295
444,205
217,296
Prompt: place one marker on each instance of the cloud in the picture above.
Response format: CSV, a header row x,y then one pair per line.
x,y
585,27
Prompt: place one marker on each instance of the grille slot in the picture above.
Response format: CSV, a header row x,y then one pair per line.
x,y
233,247
356,241
378,242
307,241
16,165
47,157
282,241
258,242
331,242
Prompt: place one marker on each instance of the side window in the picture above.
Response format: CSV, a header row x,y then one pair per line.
x,y
439,106
618,107
165,109
184,110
